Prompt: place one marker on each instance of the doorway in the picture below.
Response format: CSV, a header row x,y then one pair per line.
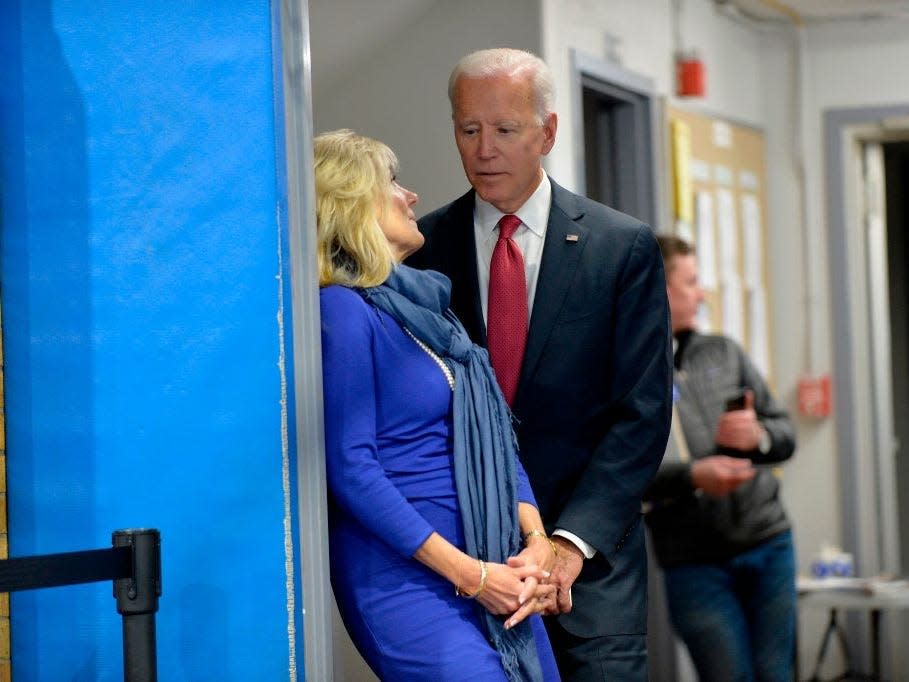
x,y
866,176
617,164
616,146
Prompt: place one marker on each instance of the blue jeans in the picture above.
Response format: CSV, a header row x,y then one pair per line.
x,y
737,618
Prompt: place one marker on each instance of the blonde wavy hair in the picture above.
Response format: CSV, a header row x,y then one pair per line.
x,y
353,189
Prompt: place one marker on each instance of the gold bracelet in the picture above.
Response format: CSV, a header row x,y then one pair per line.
x,y
539,533
484,576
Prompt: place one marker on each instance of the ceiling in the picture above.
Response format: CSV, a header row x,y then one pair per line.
x,y
820,10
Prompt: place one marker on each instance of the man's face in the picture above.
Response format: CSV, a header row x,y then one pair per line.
x,y
499,139
685,294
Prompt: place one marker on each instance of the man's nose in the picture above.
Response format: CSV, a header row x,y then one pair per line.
x,y
486,146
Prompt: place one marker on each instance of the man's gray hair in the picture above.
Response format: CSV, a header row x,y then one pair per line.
x,y
507,61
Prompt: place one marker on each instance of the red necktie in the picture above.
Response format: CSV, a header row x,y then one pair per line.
x,y
506,328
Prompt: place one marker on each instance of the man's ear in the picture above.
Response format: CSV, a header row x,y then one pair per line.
x,y
550,124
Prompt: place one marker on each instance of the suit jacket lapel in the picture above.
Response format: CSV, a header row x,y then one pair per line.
x,y
561,255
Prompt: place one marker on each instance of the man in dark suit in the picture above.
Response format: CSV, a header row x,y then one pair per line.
x,y
580,343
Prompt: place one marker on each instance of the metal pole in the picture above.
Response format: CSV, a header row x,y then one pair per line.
x,y
137,601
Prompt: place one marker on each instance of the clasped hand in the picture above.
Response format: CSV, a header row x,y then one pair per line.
x,y
547,579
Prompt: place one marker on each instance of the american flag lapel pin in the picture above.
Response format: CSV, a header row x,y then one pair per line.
x,y
571,238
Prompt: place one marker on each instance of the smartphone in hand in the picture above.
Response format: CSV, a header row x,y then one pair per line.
x,y
737,402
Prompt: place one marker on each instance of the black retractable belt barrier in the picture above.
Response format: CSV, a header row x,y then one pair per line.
x,y
133,563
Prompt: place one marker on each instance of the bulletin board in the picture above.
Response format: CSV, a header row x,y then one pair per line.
x,y
719,204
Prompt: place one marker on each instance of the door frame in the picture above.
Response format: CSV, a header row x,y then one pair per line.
x,y
869,514
844,131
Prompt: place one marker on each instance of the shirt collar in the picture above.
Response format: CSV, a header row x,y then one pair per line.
x,y
534,213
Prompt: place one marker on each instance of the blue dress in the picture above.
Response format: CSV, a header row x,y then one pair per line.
x,y
391,484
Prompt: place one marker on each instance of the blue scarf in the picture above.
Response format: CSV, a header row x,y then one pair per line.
x,y
484,441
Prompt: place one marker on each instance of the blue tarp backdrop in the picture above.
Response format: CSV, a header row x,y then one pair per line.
x,y
143,261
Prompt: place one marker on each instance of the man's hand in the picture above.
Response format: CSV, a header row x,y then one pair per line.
x,y
719,475
740,429
568,563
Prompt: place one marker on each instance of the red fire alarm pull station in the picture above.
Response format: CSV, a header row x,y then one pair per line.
x,y
814,394
691,76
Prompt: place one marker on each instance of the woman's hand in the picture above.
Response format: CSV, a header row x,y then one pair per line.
x,y
505,587
541,552
542,601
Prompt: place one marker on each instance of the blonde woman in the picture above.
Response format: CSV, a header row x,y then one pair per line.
x,y
438,554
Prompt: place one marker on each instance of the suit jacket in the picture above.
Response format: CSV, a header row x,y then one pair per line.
x,y
593,405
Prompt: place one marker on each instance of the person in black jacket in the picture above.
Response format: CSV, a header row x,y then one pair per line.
x,y
718,526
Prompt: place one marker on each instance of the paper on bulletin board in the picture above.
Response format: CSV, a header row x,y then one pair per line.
x,y
722,134
706,240
748,181
700,171
757,330
751,247
727,236
731,301
722,175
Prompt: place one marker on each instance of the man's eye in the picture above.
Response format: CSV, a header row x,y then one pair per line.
x,y
506,131
469,131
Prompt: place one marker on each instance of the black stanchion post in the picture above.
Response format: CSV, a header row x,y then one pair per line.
x,y
137,601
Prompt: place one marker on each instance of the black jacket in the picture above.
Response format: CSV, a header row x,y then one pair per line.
x,y
689,526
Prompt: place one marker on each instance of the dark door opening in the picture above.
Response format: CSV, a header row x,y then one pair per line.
x,y
896,178
618,148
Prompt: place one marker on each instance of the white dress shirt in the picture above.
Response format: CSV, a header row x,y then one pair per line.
x,y
530,237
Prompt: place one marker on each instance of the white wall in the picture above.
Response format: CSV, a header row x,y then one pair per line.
x,y
399,94
859,63
811,482
644,29
812,477
848,64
